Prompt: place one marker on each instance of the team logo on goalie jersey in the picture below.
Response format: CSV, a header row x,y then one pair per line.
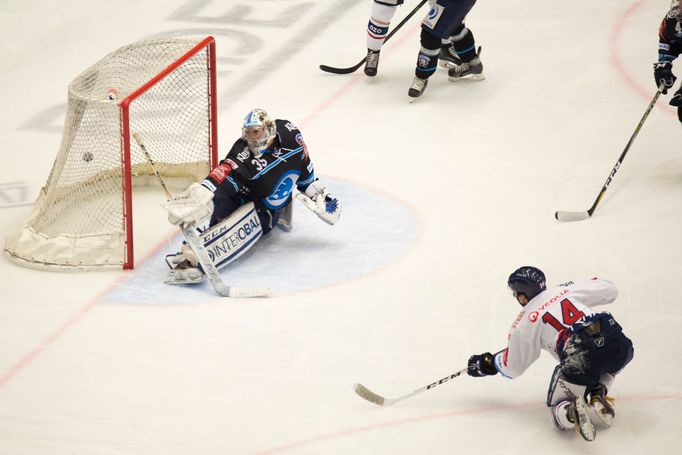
x,y
243,155
282,191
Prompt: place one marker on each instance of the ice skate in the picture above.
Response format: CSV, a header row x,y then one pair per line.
x,y
602,405
447,58
577,413
372,63
184,267
467,71
417,88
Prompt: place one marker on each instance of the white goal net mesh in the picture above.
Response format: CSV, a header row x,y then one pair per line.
x,y
162,89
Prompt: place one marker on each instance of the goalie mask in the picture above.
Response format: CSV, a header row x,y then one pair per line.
x,y
258,130
527,280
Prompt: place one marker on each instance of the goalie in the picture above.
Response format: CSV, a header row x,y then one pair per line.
x,y
248,194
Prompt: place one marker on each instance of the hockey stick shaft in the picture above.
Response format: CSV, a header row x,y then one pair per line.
x,y
198,246
368,395
352,69
574,216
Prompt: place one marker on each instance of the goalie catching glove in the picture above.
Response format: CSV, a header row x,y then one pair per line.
x,y
320,202
190,207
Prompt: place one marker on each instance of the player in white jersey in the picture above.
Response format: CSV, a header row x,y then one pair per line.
x,y
590,346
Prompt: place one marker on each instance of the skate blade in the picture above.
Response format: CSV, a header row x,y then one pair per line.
x,y
469,78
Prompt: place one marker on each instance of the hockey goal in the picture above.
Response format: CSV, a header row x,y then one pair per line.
x,y
165,90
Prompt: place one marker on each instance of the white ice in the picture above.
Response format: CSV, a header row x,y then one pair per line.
x,y
443,198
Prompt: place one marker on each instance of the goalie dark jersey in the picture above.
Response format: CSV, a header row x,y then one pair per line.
x,y
268,180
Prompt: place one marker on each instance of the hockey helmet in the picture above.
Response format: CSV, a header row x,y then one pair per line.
x,y
258,120
527,280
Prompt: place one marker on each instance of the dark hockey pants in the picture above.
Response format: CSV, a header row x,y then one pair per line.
x,y
596,347
225,207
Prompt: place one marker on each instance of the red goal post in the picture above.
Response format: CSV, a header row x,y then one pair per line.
x,y
164,89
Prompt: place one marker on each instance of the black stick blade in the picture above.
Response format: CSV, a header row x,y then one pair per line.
x,y
349,70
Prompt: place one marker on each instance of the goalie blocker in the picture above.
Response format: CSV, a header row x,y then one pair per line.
x,y
225,242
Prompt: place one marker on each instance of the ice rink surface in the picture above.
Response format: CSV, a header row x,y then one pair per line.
x,y
443,198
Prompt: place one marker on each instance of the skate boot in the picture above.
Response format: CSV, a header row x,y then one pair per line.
x,y
447,58
577,414
184,267
602,405
372,63
417,88
467,71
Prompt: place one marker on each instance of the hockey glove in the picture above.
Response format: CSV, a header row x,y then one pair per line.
x,y
326,207
192,206
481,365
663,73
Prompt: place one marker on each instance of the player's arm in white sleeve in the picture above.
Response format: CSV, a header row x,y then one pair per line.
x,y
523,348
594,292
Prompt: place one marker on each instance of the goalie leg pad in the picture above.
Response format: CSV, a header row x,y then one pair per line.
x,y
233,236
225,242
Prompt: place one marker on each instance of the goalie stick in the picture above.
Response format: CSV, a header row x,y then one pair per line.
x,y
578,216
197,246
377,399
352,69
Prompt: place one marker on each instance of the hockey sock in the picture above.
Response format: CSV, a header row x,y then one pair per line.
x,y
377,28
464,44
427,60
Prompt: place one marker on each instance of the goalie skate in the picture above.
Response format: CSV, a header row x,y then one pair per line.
x,y
184,267
191,275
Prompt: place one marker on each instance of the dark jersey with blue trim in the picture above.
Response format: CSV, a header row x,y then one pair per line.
x,y
670,36
267,180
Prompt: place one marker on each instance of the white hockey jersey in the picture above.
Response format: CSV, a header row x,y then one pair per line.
x,y
541,320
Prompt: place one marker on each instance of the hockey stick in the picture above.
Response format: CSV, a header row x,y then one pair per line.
x,y
368,395
578,216
198,246
352,69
